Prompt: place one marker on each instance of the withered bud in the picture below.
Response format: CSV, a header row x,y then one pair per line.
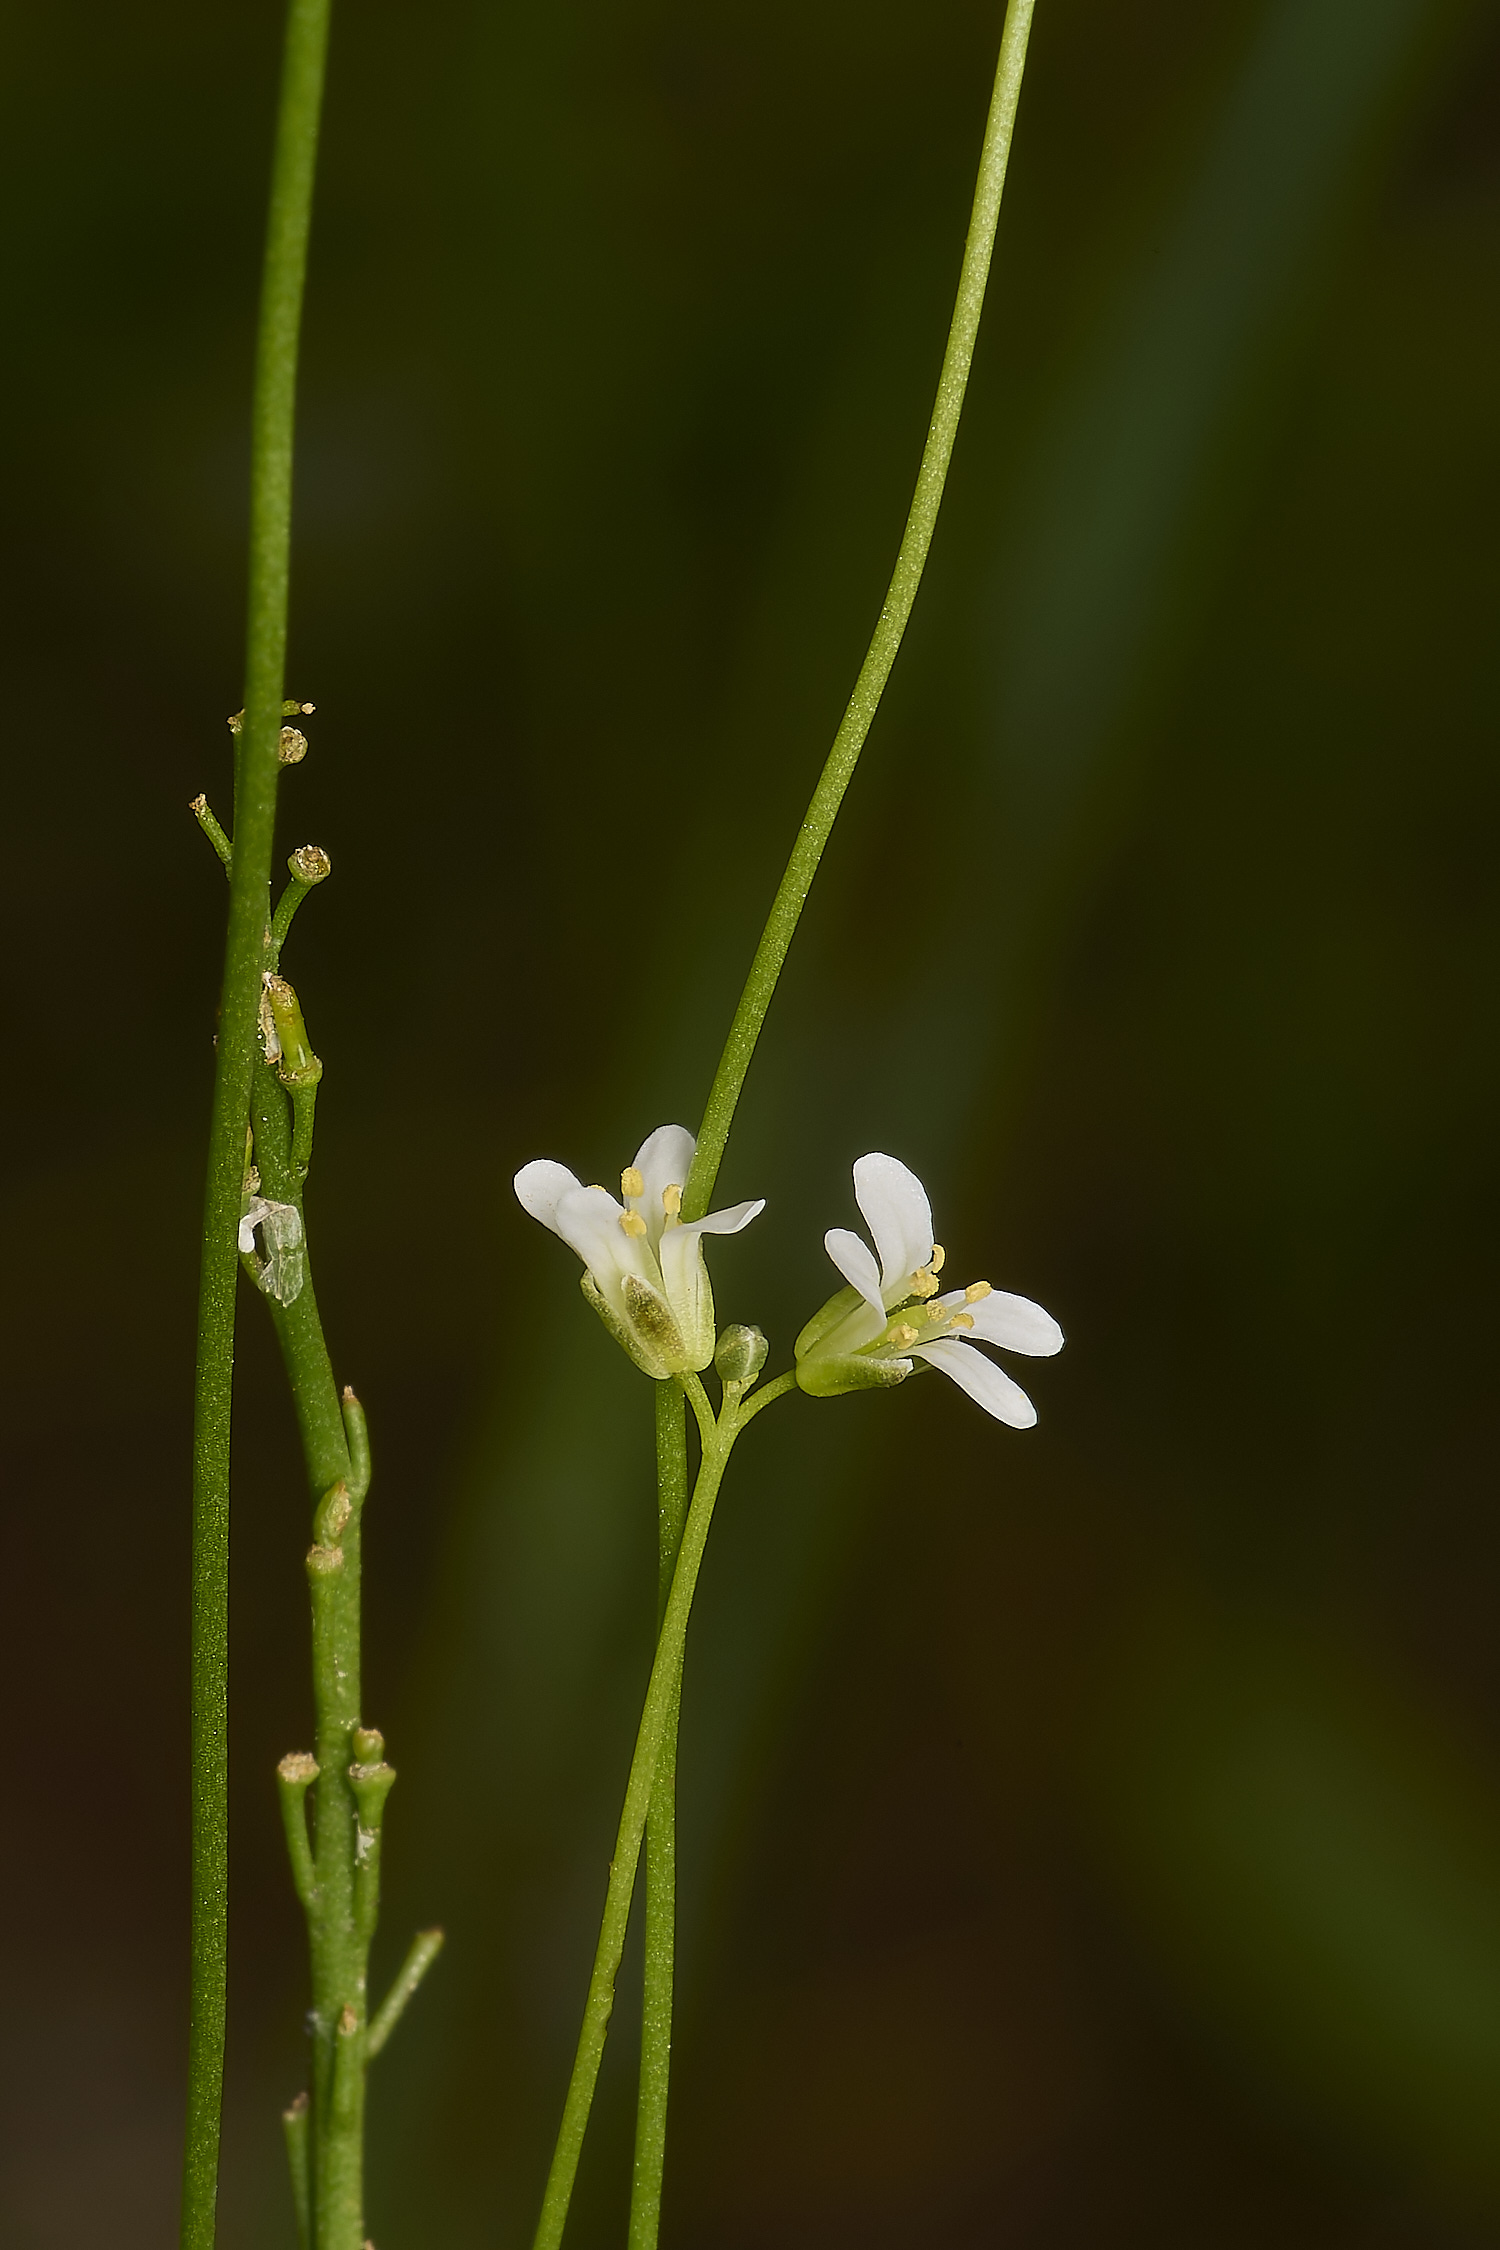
x,y
292,748
309,864
299,1768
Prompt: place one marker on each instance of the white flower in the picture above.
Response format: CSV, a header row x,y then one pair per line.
x,y
646,1278
894,1313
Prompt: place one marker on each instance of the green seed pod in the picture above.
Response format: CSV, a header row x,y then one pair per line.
x,y
298,1065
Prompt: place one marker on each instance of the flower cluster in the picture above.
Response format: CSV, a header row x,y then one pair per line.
x,y
645,1277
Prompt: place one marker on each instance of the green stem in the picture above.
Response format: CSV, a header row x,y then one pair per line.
x,y
661,1851
294,2125
661,1694
818,820
256,768
423,1951
339,1945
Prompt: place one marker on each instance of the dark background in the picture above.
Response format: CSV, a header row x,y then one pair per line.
x,y
1089,1837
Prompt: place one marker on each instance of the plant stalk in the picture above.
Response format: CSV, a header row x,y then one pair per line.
x,y
911,559
661,1696
256,769
661,1852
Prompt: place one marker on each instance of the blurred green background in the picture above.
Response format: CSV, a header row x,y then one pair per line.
x,y
1089,1837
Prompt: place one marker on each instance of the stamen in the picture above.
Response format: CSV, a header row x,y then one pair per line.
x,y
632,1223
631,1182
938,1255
963,1320
903,1333
936,1316
975,1291
923,1283
671,1201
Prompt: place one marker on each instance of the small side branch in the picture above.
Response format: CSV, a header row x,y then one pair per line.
x,y
211,829
294,1777
357,1434
425,1948
294,2125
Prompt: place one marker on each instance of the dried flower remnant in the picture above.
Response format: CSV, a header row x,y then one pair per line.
x,y
271,1243
895,1314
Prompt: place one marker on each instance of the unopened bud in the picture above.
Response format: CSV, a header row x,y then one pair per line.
x,y
740,1354
332,1518
309,864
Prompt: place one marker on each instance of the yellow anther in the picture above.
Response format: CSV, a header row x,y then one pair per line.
x,y
938,1255
936,1314
671,1201
632,1222
962,1320
975,1291
903,1334
631,1182
924,1284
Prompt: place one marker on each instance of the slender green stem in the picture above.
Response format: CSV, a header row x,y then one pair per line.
x,y
423,1951
200,811
818,820
256,768
763,1397
661,1694
294,2125
661,1850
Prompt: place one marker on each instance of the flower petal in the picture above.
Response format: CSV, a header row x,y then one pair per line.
x,y
686,1278
988,1385
731,1221
663,1160
588,1219
899,1216
856,1262
1015,1324
539,1185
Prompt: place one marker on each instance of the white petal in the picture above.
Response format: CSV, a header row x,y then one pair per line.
x,y
664,1159
732,1221
988,1385
588,1219
899,1216
1015,1324
686,1278
539,1185
856,1262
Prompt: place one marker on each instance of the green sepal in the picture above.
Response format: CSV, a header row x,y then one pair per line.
x,y
648,1359
831,1375
837,1308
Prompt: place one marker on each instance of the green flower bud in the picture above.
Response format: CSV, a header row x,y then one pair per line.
x,y
740,1354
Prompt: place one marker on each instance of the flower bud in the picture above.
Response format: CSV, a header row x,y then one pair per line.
x,y
740,1354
